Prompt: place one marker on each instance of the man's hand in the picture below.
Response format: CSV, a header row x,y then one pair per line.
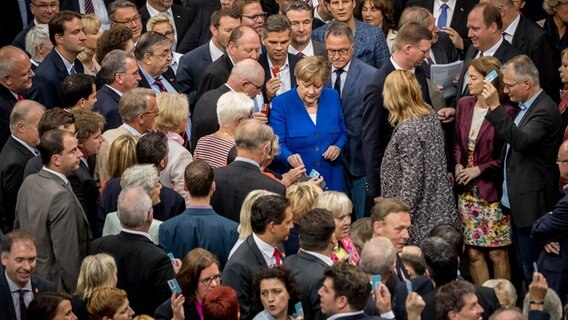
x,y
446,114
272,86
295,160
383,298
292,176
537,291
414,306
454,36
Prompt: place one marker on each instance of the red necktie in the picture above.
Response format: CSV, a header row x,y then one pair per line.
x,y
300,55
160,85
20,97
277,257
89,6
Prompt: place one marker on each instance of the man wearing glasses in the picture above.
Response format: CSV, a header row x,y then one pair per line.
x,y
43,11
251,14
123,12
154,55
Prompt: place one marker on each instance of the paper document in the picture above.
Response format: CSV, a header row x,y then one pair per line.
x,y
444,75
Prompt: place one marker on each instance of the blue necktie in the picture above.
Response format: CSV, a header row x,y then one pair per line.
x,y
443,18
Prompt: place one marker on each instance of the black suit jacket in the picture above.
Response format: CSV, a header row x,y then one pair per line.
x,y
240,271
532,174
10,22
46,85
505,52
459,18
532,40
234,182
169,75
107,105
20,40
7,102
198,34
191,67
13,159
183,17
7,311
143,269
263,60
204,117
87,192
444,52
319,49
214,75
377,130
308,271
397,277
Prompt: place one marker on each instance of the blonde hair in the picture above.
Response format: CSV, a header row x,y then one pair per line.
x,y
336,202
302,197
159,18
312,69
174,110
504,290
97,270
402,97
122,155
245,229
549,5
90,22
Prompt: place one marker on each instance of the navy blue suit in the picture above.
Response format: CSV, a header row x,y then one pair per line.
x,y
263,60
20,39
298,134
190,69
107,105
199,227
46,85
198,33
553,227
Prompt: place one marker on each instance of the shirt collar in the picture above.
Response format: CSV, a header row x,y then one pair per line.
x,y
146,75
215,52
308,50
113,89
513,26
145,234
491,51
132,131
247,160
266,249
327,260
24,144
346,68
68,65
15,287
60,175
152,11
397,67
283,67
345,314
530,100
451,4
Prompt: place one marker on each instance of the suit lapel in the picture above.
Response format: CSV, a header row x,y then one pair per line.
x,y
349,81
459,14
534,105
256,251
519,38
5,292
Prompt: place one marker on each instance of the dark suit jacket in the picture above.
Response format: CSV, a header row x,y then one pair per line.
x,y
199,227
20,40
198,34
107,105
319,49
214,75
533,41
377,130
46,85
171,203
7,102
487,153
234,182
459,19
308,271
169,75
7,311
532,175
358,78
87,192
240,271
183,17
164,311
204,116
13,159
444,52
191,67
263,60
143,269
552,227
10,22
505,52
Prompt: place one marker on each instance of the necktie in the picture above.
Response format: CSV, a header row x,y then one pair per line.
x,y
160,85
300,55
20,97
505,34
89,6
277,257
36,151
337,84
23,307
72,71
443,18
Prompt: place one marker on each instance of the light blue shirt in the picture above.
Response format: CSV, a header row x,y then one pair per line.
x,y
154,86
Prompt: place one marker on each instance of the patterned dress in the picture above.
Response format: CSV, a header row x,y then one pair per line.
x,y
483,221
414,171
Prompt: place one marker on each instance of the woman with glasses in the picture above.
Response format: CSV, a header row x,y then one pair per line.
x,y
380,14
309,123
478,175
276,291
199,273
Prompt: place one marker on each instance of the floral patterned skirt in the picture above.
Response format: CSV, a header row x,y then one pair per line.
x,y
484,224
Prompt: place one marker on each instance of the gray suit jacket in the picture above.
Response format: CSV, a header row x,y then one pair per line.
x,y
49,209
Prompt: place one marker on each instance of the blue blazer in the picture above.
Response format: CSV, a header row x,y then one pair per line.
x,y
298,134
370,43
190,69
199,227
107,105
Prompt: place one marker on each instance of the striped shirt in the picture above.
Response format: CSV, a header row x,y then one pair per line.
x,y
213,150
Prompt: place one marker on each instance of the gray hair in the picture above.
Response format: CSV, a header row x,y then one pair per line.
x,y
37,35
113,63
414,14
276,23
247,69
340,29
141,175
134,102
503,288
336,202
523,68
232,106
378,256
134,205
8,55
148,42
21,112
119,4
552,305
517,315
252,134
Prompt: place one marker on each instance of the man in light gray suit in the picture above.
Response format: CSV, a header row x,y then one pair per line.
x,y
48,209
351,77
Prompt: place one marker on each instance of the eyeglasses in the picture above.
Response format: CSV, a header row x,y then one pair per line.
x,y
509,86
134,20
561,161
423,51
207,281
341,52
260,16
46,6
257,87
152,113
163,55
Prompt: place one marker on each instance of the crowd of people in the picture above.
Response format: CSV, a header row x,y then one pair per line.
x,y
283,159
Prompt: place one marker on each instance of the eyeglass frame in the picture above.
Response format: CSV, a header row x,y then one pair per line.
x,y
46,6
207,281
342,52
509,86
256,16
137,19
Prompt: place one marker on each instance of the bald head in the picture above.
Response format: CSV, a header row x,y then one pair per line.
x,y
24,121
507,314
15,69
245,76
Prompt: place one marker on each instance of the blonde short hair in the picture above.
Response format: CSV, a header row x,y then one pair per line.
x,y
159,18
122,154
549,5
245,229
97,270
302,197
91,22
403,97
174,110
336,202
504,290
312,69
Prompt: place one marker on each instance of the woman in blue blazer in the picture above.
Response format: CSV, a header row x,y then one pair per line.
x,y
309,123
